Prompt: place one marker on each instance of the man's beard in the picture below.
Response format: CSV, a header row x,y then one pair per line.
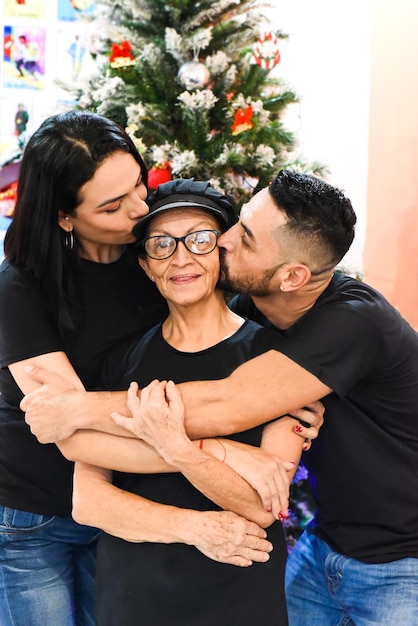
x,y
251,285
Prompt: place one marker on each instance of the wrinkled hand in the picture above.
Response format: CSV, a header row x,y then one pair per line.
x,y
267,475
44,407
157,417
312,414
228,538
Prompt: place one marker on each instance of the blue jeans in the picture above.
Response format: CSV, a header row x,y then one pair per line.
x,y
325,588
47,570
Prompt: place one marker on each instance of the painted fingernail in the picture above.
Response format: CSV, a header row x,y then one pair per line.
x,y
280,517
297,429
268,508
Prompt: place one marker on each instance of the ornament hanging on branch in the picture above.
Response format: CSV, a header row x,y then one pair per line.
x,y
266,51
193,75
242,120
158,174
121,55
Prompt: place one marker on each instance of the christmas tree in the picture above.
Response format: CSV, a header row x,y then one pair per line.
x,y
192,84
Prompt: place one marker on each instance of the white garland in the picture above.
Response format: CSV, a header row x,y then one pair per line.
x,y
230,76
264,155
162,153
217,63
174,44
183,163
223,158
258,108
202,100
135,113
113,87
151,54
201,39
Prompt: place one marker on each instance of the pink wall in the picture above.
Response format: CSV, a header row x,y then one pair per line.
x,y
391,248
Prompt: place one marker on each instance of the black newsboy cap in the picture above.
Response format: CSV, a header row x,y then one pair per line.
x,y
183,193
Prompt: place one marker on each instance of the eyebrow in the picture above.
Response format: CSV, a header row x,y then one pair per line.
x,y
106,202
247,231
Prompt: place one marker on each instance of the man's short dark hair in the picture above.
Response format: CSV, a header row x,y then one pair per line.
x,y
315,210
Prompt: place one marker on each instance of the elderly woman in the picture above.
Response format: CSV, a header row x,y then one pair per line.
x,y
157,580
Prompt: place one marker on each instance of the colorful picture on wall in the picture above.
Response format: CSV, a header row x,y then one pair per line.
x,y
70,10
71,53
25,8
24,57
15,123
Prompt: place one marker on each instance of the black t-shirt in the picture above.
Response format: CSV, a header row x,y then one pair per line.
x,y
118,301
175,584
363,466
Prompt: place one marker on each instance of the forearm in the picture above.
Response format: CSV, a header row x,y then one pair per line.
x,y
130,455
112,452
219,535
206,471
92,410
97,502
258,391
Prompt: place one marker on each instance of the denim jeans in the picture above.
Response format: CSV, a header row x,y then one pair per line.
x,y
325,588
47,570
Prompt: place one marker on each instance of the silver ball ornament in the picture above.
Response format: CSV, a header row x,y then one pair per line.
x,y
193,75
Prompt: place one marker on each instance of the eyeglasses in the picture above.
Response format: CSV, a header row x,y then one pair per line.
x,y
162,247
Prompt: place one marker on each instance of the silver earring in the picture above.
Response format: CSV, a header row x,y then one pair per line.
x,y
69,239
281,287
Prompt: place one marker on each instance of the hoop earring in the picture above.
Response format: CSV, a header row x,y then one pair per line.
x,y
69,239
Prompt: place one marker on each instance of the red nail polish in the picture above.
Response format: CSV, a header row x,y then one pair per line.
x,y
280,517
297,429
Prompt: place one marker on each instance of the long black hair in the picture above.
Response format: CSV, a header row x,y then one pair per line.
x,y
60,157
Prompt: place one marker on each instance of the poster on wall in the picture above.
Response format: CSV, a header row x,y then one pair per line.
x,y
71,10
24,57
16,123
25,8
71,53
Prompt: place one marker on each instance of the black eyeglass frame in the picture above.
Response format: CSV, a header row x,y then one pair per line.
x,y
183,239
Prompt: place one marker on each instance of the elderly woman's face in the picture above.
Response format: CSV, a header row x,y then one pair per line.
x,y
184,278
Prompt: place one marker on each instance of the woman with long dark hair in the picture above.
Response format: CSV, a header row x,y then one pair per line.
x,y
70,288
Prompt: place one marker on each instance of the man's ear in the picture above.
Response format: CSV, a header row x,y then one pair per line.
x,y
143,262
297,275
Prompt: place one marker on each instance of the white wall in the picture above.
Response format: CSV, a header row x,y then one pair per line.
x,y
326,60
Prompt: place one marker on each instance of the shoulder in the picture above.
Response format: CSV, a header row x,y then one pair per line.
x,y
352,291
13,277
349,299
